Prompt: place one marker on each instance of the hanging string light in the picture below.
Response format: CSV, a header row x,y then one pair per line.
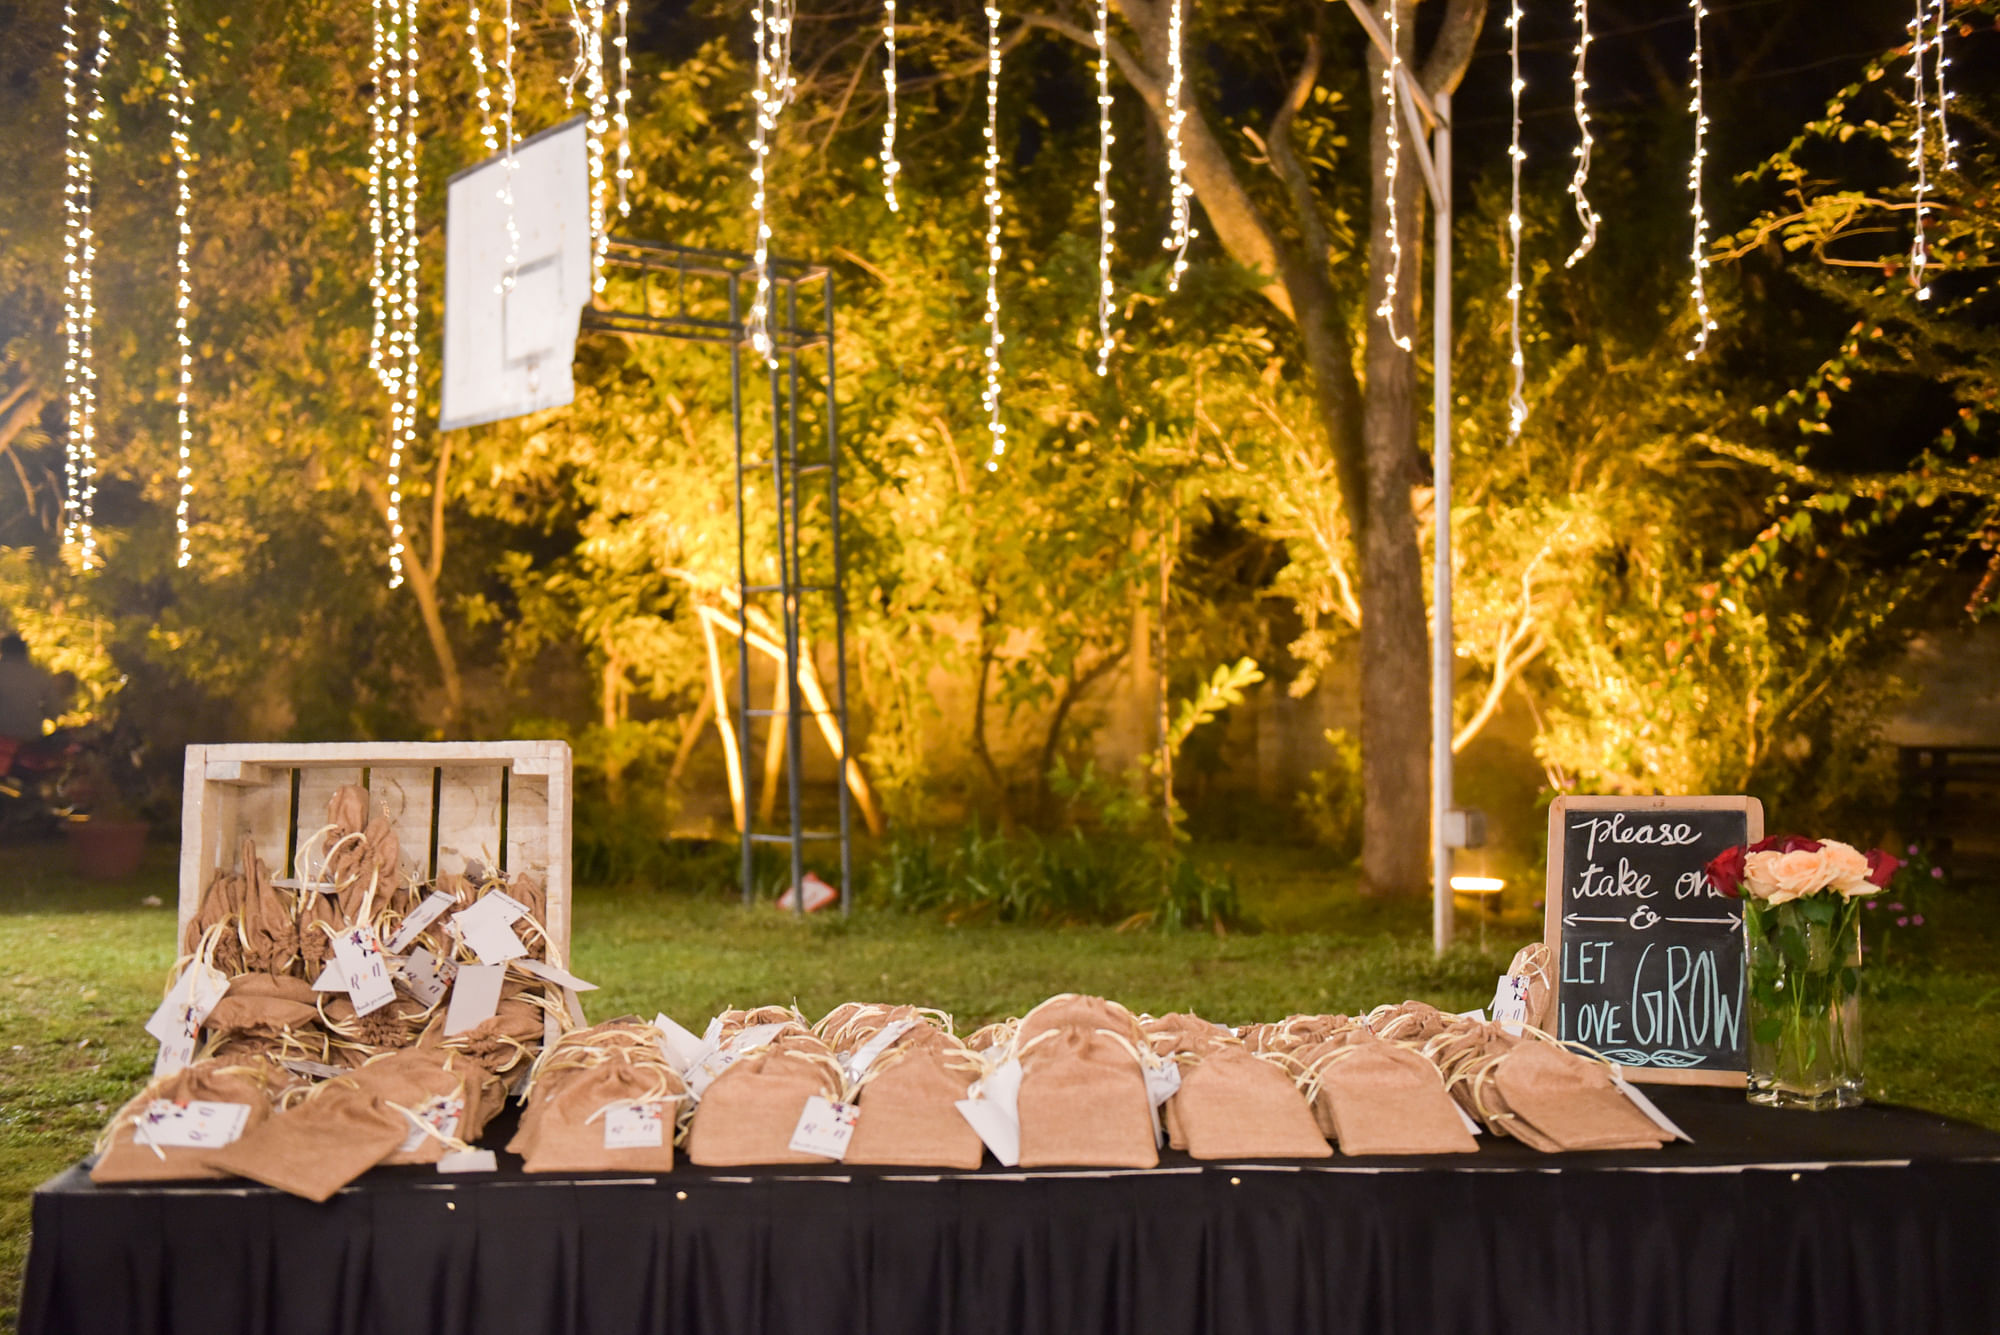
x,y
773,91
1919,246
991,396
177,104
1180,229
509,93
489,133
624,119
1104,225
1584,212
392,198
1391,72
79,286
1517,402
597,125
889,164
1945,141
1699,251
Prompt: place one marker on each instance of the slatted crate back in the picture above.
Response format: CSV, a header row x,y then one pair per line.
x,y
500,805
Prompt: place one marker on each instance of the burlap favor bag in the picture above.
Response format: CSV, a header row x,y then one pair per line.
x,y
122,1158
446,1098
1233,1104
908,1097
614,1116
1295,1032
748,1113
1083,1100
994,1037
1385,1098
318,1146
1533,962
264,1001
1572,1101
1408,1022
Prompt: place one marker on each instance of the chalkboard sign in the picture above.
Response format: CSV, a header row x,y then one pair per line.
x,y
1647,956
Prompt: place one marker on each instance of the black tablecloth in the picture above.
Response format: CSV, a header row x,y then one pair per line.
x,y
1876,1219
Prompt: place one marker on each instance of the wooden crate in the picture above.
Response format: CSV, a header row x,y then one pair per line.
x,y
499,804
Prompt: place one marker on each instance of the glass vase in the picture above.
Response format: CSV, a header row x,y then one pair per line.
x,y
1804,1004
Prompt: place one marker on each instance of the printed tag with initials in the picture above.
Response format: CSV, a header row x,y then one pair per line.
x,y
197,1125
1510,1002
634,1126
422,916
427,977
366,977
825,1128
440,1113
177,1023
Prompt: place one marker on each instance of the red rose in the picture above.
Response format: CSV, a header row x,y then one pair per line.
x,y
1786,843
1881,866
1725,870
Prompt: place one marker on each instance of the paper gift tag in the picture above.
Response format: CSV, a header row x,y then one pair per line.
x,y
422,916
1162,1083
317,1070
825,1128
681,1047
329,979
426,976
440,1112
560,977
634,1126
469,1161
362,969
1510,1002
195,1125
487,927
993,1111
509,909
856,1063
1648,1107
475,997
177,1023
704,1072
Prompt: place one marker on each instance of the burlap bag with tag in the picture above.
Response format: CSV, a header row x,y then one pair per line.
x,y
1304,1063
318,1146
120,1156
266,1015
568,1126
1533,962
1572,1101
908,1100
447,1091
1383,1097
748,1113
1083,1100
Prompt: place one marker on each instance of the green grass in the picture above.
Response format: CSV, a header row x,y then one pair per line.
x,y
81,966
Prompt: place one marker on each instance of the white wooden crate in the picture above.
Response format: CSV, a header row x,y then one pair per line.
x,y
499,804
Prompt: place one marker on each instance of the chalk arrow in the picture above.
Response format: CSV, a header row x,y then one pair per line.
x,y
1572,919
1734,920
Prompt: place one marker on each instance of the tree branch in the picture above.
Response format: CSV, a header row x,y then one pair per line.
x,y
1451,51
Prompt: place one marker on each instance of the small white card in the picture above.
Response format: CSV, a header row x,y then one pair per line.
x,y
469,1161
634,1126
427,977
681,1047
1510,1002
1001,1133
856,1063
362,969
504,904
487,927
197,1125
440,1113
715,1063
825,1128
474,997
1162,1083
550,973
422,916
1648,1107
177,1023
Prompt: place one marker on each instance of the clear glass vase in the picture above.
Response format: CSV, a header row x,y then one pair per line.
x,y
1804,1004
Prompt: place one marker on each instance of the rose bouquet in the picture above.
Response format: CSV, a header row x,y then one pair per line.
x,y
1801,918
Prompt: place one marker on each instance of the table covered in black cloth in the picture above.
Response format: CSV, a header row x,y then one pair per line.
x,y
1877,1219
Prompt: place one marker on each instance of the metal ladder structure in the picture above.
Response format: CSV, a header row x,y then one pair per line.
x,y
699,295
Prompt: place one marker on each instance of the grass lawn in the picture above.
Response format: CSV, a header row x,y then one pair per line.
x,y
81,966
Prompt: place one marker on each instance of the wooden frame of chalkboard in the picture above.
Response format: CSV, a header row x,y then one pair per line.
x,y
1634,884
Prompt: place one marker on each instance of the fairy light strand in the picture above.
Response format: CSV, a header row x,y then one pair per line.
x,y
890,167
1180,229
1517,401
773,33
392,225
598,125
1391,72
1105,227
79,290
991,395
1945,141
489,132
177,103
508,95
1580,88
1919,244
1698,252
622,114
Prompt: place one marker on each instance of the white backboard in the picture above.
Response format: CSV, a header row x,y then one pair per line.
x,y
510,329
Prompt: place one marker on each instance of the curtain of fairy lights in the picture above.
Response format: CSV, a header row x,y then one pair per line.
x,y
509,96
392,225
991,395
890,167
622,114
597,126
1104,224
1580,88
1392,70
177,103
1517,401
773,32
1947,146
1180,228
1698,252
1919,159
83,111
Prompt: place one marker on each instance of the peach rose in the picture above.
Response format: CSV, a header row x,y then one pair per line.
x,y
1849,868
1779,878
